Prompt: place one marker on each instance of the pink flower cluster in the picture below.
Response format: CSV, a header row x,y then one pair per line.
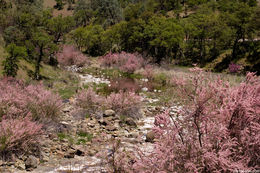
x,y
71,56
234,68
89,100
126,62
18,99
124,103
21,106
18,135
148,72
218,131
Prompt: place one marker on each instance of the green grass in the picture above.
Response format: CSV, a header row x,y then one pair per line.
x,y
84,136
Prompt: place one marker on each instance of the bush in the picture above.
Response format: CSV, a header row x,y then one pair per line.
x,y
89,100
217,132
18,135
18,99
234,68
126,62
148,72
125,103
71,56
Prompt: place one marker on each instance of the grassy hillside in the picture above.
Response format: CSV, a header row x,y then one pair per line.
x,y
60,81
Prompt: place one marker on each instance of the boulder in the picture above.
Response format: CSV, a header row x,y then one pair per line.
x,y
31,163
109,113
70,154
150,136
130,122
110,128
19,164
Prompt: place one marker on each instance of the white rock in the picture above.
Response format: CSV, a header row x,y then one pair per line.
x,y
144,89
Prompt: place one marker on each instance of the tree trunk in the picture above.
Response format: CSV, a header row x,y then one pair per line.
x,y
37,65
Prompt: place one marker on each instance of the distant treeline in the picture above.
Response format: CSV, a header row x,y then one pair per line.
x,y
179,31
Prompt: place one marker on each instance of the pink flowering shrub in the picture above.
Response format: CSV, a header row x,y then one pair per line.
x,y
43,104
71,56
148,72
18,135
18,99
217,131
234,68
89,100
125,103
124,84
125,62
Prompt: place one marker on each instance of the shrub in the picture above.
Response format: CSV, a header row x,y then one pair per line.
x,y
234,68
18,135
124,84
89,100
71,56
126,62
217,132
125,103
43,104
148,72
10,64
18,99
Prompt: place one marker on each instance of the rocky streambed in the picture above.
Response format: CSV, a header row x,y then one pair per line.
x,y
70,152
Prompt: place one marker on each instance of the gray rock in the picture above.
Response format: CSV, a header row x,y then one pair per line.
x,y
19,164
131,122
79,150
44,156
144,89
150,136
110,128
31,163
103,122
109,113
70,153
133,135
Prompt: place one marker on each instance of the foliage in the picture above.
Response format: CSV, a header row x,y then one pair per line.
x,y
89,100
88,39
18,99
126,62
18,135
148,72
216,132
234,68
71,56
10,63
59,4
125,103
58,26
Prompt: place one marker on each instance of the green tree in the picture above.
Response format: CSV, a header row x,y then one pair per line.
x,y
108,12
59,4
13,34
93,39
83,12
113,37
58,26
10,64
42,44
165,36
78,37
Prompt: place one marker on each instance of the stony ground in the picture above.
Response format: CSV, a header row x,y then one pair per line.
x,y
74,151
